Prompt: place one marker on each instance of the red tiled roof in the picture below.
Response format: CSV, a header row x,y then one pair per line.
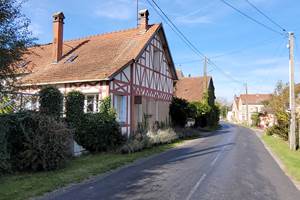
x,y
255,98
191,88
95,57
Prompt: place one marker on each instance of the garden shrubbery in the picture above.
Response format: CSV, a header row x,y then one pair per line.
x,y
100,131
202,112
30,141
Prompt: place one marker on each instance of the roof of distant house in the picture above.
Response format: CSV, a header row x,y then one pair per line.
x,y
91,58
255,98
191,88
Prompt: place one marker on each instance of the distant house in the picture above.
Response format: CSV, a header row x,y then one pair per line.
x,y
255,104
179,74
194,88
134,67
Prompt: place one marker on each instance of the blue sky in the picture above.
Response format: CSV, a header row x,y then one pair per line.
x,y
243,49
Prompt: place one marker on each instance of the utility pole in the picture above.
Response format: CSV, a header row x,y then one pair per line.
x,y
292,133
205,73
247,107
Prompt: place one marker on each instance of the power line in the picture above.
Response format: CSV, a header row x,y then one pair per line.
x,y
185,39
251,18
236,51
177,29
266,16
223,72
170,25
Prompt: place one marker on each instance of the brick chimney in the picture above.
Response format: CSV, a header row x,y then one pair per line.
x,y
143,20
58,25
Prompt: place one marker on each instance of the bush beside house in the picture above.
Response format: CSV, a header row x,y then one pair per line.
x,y
35,141
32,141
100,131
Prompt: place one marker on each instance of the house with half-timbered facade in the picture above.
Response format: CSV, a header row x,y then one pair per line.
x,y
133,66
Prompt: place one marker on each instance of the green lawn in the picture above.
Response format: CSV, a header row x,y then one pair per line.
x,y
26,185
290,159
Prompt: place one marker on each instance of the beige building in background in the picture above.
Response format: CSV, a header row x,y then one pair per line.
x,y
255,105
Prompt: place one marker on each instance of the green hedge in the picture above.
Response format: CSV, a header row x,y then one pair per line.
x,y
51,101
32,142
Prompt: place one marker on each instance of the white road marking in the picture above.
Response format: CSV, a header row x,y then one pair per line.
x,y
215,160
195,187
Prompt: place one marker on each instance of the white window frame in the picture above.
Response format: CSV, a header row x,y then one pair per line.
x,y
120,106
95,103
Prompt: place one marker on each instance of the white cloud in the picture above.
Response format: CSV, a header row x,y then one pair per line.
x,y
119,10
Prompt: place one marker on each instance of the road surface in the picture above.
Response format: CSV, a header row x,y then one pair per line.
x,y
230,164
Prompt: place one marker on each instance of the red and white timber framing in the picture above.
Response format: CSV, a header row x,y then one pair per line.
x,y
147,77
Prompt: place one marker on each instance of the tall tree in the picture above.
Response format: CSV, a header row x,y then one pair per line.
x,y
15,37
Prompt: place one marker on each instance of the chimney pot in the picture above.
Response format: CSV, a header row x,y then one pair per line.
x,y
143,20
58,24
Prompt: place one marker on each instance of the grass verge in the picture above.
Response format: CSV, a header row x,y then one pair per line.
x,y
26,185
290,159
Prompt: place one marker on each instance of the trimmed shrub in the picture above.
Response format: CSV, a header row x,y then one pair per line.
x,y
99,132
33,142
74,108
51,101
179,109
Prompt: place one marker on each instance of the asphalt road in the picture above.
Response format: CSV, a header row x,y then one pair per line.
x,y
230,164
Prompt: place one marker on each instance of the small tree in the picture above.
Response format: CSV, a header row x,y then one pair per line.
x,y
51,101
15,37
255,119
74,107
